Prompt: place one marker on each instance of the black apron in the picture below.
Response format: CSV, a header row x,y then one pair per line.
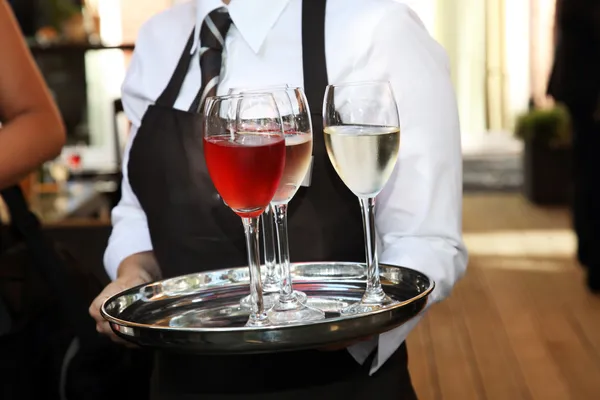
x,y
192,230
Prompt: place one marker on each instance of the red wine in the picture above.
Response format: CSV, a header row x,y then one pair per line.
x,y
245,171
298,149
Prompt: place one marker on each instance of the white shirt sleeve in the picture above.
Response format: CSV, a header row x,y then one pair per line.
x,y
130,234
157,50
419,212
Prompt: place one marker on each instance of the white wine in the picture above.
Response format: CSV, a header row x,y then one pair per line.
x,y
364,156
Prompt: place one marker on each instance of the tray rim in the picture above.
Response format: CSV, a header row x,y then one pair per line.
x,y
130,324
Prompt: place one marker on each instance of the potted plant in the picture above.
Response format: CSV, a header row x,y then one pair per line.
x,y
547,155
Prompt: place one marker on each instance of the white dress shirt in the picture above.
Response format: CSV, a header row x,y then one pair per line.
x,y
418,216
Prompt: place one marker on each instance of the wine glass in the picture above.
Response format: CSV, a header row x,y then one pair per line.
x,y
274,269
290,305
244,148
272,281
362,136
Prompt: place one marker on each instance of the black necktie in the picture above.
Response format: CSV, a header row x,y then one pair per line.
x,y
212,40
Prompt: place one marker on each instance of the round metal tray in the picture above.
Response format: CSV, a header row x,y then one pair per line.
x,y
200,313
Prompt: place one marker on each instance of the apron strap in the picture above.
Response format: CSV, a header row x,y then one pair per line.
x,y
171,93
313,53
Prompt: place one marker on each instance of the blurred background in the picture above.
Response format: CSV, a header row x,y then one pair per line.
x,y
521,324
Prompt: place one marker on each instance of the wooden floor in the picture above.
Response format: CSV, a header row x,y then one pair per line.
x,y
520,324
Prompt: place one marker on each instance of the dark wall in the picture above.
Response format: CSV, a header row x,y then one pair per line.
x,y
65,75
27,13
31,14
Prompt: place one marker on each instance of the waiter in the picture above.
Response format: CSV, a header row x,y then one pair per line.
x,y
170,222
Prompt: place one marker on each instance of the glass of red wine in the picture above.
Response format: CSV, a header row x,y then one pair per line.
x,y
244,148
271,282
290,306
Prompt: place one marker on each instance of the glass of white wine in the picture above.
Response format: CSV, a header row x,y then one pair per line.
x,y
362,136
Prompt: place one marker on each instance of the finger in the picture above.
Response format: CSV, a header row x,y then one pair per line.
x,y
97,303
95,312
110,290
105,329
103,326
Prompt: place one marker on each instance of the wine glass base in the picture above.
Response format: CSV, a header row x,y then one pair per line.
x,y
294,311
258,320
366,307
300,296
295,316
269,300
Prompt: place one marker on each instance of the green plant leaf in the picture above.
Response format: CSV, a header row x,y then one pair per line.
x,y
551,126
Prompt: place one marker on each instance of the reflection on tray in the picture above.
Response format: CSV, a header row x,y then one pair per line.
x,y
236,316
226,316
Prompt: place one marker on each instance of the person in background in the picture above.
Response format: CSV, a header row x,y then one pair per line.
x,y
575,82
170,222
31,129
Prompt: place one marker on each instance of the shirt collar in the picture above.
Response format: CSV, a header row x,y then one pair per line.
x,y
252,18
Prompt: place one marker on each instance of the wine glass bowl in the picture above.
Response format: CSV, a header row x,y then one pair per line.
x,y
244,169
244,149
298,142
362,137
377,148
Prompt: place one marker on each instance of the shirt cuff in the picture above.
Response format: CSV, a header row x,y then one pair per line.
x,y
121,245
387,343
390,341
362,350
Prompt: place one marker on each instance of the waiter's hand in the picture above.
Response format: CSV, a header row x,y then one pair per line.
x,y
135,270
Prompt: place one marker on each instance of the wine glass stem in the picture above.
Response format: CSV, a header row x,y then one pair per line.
x,y
284,252
252,244
268,221
374,292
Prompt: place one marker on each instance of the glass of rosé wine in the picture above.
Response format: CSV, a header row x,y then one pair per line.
x,y
271,282
244,148
290,306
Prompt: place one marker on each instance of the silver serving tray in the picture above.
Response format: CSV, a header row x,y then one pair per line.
x,y
200,313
